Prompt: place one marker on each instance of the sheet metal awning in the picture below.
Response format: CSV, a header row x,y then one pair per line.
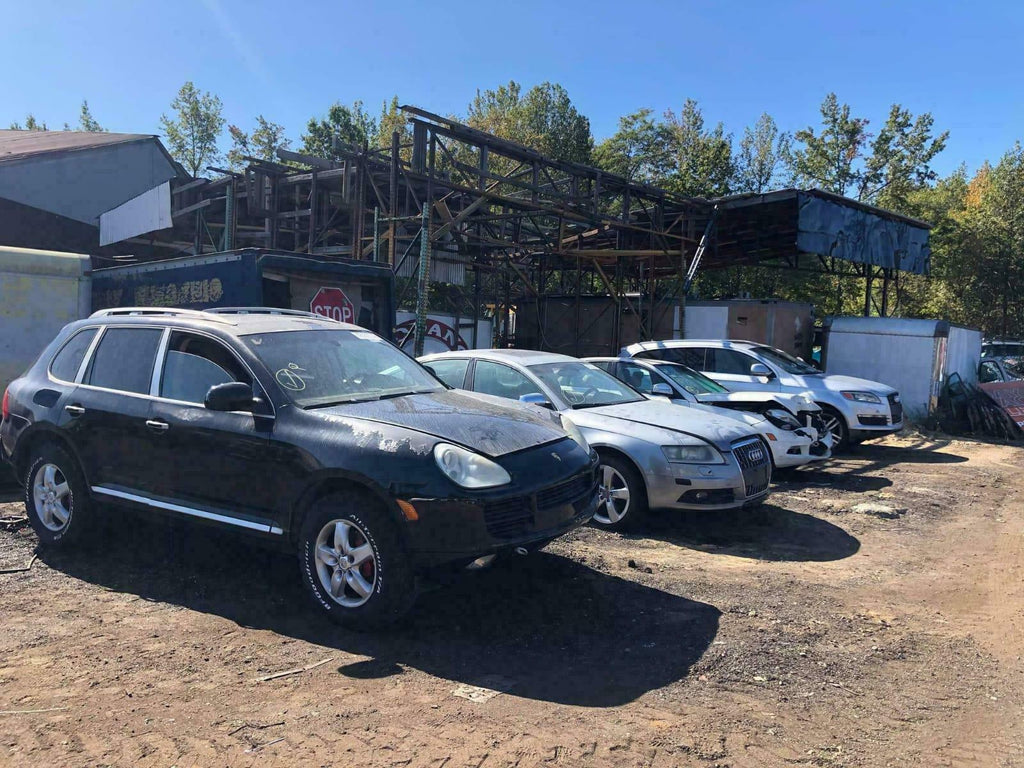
x,y
755,228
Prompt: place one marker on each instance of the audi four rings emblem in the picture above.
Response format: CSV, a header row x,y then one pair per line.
x,y
756,455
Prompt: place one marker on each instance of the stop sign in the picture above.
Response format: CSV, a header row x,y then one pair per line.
x,y
333,303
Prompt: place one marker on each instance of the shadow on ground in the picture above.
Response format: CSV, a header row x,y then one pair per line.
x,y
768,532
549,627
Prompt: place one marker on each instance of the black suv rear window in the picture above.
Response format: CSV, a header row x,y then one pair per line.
x,y
67,362
124,359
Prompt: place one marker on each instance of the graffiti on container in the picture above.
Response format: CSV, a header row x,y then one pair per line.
x,y
442,332
176,294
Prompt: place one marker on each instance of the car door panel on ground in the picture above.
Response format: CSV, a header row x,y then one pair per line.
x,y
108,410
210,460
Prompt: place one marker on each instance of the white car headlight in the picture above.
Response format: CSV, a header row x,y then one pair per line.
x,y
782,419
697,453
468,469
576,434
862,397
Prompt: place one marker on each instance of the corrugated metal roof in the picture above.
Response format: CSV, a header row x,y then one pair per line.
x,y
17,145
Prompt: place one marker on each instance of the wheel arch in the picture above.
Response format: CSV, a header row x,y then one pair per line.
x,y
611,450
338,482
35,436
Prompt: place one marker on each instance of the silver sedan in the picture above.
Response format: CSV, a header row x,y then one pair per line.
x,y
653,454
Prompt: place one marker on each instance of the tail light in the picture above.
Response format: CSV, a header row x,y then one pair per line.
x,y
6,408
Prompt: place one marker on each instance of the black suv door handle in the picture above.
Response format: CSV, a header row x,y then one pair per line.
x,y
157,426
74,410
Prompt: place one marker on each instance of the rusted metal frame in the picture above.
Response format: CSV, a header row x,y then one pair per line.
x,y
576,324
620,296
393,201
460,167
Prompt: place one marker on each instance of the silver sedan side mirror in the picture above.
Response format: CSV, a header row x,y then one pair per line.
x,y
760,369
536,398
663,389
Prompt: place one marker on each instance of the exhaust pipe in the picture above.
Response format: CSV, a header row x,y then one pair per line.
x,y
522,551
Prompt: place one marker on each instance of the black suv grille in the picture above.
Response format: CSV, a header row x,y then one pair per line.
x,y
755,462
510,518
566,492
896,408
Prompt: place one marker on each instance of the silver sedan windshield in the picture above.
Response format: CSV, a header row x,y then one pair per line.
x,y
584,385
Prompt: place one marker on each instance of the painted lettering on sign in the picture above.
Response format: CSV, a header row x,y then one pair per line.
x,y
334,304
435,329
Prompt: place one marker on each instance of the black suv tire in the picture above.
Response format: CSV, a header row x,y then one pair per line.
x,y
393,578
75,503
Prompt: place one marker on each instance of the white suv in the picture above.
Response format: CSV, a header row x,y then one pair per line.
x,y
854,409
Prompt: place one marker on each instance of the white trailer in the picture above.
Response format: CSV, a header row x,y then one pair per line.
x,y
913,356
40,292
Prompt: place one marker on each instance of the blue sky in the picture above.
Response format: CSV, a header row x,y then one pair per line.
x,y
288,61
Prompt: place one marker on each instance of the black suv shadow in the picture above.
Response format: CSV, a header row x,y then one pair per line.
x,y
546,627
768,532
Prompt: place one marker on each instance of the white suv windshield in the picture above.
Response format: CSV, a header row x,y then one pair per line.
x,y
584,385
320,368
785,361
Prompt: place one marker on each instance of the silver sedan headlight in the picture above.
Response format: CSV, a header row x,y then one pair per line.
x,y
576,434
468,469
697,453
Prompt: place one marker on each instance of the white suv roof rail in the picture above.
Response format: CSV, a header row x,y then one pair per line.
x,y
264,311
168,311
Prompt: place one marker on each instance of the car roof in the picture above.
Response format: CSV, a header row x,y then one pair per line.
x,y
670,343
234,321
517,356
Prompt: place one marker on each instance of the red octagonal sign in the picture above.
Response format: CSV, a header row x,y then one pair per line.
x,y
334,304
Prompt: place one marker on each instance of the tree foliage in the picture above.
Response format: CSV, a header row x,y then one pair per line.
x,y
86,122
351,125
640,150
194,130
262,143
704,163
31,124
762,156
543,118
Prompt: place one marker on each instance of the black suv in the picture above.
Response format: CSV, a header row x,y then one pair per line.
x,y
319,436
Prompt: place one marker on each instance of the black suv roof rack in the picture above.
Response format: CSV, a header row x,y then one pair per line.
x,y
158,311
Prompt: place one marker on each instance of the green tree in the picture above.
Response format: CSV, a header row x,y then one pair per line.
x,y
704,165
829,159
351,125
762,154
86,122
31,124
544,118
262,143
393,119
192,134
640,150
900,159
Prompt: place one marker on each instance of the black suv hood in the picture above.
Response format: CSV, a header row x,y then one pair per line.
x,y
485,424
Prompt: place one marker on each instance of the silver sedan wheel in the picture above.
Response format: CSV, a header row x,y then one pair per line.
x,y
345,563
614,495
51,496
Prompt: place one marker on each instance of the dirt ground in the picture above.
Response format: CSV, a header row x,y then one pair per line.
x,y
820,633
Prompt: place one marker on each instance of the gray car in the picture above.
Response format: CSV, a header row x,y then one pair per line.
x,y
652,453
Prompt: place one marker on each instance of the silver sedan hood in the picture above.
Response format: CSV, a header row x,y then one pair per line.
x,y
661,422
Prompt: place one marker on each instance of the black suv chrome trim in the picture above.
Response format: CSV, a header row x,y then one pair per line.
x,y
266,527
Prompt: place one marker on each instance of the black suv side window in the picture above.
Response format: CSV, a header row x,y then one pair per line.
x,y
195,363
124,360
451,372
66,363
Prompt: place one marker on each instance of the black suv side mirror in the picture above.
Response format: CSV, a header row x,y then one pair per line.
x,y
232,396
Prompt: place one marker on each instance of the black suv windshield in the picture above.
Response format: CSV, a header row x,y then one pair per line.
x,y
584,385
319,368
692,381
785,361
